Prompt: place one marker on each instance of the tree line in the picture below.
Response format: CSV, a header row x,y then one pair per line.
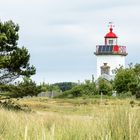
x,y
14,64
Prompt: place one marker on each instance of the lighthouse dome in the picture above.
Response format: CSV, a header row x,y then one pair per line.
x,y
111,34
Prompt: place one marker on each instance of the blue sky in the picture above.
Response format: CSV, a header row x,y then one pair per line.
x,y
61,35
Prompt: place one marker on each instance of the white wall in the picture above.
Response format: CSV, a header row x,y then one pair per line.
x,y
114,61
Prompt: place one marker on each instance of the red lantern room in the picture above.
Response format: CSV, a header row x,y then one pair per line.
x,y
111,38
111,46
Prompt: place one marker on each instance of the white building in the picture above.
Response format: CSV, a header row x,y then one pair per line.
x,y
109,56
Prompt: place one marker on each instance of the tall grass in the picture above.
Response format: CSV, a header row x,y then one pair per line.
x,y
103,123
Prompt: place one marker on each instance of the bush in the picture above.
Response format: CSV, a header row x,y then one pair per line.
x,y
138,94
104,86
125,95
24,88
86,89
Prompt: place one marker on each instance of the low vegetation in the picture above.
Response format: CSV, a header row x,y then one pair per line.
x,y
81,119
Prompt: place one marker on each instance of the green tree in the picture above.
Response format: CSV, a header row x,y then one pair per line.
x,y
25,88
126,80
137,71
21,89
14,61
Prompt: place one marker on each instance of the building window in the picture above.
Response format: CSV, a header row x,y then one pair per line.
x,y
111,42
105,69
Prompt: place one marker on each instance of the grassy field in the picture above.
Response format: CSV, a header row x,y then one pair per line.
x,y
72,119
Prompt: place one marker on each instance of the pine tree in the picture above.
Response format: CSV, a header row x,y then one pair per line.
x,y
14,61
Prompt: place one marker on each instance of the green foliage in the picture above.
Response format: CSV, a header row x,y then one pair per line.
x,y
125,95
86,89
63,86
14,61
25,88
137,71
49,87
126,80
104,86
138,94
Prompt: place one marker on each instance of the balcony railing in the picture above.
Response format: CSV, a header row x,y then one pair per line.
x,y
110,49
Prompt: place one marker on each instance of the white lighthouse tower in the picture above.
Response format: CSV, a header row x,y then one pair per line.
x,y
110,55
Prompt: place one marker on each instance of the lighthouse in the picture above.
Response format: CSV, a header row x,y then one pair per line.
x,y
110,55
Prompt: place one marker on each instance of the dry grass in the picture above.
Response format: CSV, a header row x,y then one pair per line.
x,y
77,119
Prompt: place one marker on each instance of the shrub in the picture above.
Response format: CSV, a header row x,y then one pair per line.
x,y
125,95
104,86
86,89
24,88
138,94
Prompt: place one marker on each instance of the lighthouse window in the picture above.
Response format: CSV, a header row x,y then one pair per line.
x,y
104,49
107,48
110,48
111,42
100,48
